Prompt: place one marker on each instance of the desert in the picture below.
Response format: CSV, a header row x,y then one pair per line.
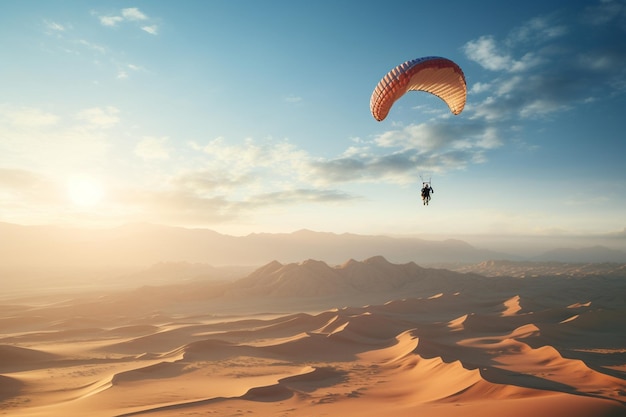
x,y
365,337
312,208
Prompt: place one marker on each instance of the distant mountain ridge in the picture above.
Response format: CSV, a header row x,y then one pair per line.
x,y
143,245
595,253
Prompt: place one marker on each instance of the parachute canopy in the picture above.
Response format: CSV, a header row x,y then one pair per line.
x,y
435,75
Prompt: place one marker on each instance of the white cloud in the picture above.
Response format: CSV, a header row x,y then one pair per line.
x,y
490,139
501,56
479,87
508,85
526,62
541,107
103,117
123,72
250,155
110,20
54,26
21,188
485,52
152,148
92,46
225,181
34,137
133,13
248,167
28,116
544,68
434,147
423,137
152,29
537,30
607,11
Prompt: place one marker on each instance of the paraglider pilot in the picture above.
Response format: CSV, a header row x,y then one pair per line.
x,y
426,190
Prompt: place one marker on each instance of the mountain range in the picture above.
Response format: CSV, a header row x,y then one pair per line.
x,y
313,284
143,245
140,245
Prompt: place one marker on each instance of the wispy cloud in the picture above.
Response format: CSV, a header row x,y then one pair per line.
x,y
299,196
232,180
91,46
20,188
110,20
211,182
484,51
399,155
189,206
150,148
152,29
277,172
54,26
606,12
27,116
18,179
537,31
124,71
283,158
131,14
541,70
99,53
103,117
54,141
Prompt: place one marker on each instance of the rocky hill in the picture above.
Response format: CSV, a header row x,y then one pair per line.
x,y
313,278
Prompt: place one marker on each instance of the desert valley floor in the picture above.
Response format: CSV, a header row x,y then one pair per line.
x,y
365,338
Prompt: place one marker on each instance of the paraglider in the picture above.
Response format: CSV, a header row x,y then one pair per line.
x,y
426,190
435,75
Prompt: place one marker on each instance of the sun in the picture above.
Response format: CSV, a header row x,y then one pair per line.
x,y
84,191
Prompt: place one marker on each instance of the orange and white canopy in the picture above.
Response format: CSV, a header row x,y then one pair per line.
x,y
435,75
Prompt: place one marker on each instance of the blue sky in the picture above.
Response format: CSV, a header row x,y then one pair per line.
x,y
247,116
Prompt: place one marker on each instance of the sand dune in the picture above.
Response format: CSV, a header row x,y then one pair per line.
x,y
453,345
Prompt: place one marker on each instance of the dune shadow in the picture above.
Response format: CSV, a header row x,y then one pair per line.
x,y
268,394
505,377
173,407
599,362
319,378
9,387
502,376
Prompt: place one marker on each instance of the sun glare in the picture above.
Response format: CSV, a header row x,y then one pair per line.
x,y
84,191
